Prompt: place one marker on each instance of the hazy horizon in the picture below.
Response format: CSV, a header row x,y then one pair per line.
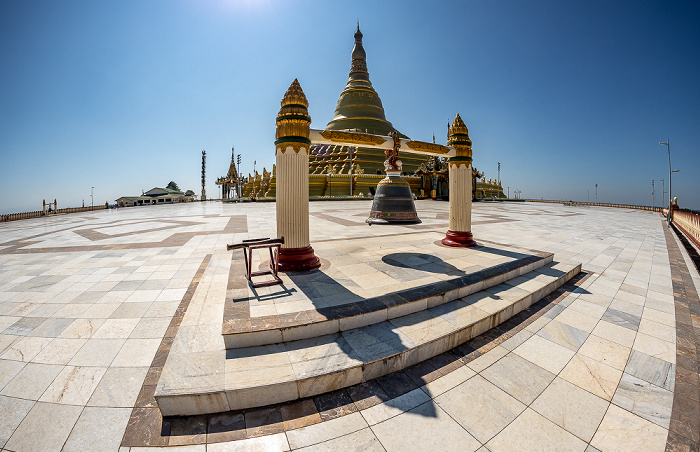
x,y
124,96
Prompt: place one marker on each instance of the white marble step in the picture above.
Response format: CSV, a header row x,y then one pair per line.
x,y
320,322
262,375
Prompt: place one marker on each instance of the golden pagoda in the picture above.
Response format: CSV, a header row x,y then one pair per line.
x,y
342,171
360,109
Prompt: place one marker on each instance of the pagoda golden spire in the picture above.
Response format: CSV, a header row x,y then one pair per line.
x,y
359,107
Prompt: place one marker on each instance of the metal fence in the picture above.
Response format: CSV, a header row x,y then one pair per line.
x,y
41,213
598,204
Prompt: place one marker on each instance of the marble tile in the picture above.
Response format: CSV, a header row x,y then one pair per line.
x,y
591,375
136,353
658,330
577,320
537,324
51,327
271,443
74,385
544,353
644,399
518,436
360,441
82,328
659,317
655,347
625,306
59,351
563,334
119,387
100,310
97,352
612,332
31,382
8,370
32,434
517,339
585,306
325,431
394,407
98,429
621,430
488,358
480,407
116,329
12,411
606,352
518,377
449,381
25,349
656,371
623,319
571,408
409,429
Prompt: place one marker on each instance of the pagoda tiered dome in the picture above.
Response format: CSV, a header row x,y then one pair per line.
x,y
359,107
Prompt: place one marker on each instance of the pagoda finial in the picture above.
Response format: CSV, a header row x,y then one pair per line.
x,y
295,95
293,119
459,137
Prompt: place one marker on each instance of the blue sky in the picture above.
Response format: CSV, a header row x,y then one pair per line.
x,y
124,96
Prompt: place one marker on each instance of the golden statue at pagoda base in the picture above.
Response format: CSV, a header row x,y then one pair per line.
x,y
393,200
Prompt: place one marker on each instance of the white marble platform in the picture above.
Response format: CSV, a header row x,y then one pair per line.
x,y
201,377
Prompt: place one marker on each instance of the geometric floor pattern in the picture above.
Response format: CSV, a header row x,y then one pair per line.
x,y
87,299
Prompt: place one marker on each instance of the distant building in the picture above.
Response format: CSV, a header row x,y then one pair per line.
x,y
157,195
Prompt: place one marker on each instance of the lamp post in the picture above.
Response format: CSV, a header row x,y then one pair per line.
x,y
499,171
596,192
92,199
663,190
652,195
238,179
670,198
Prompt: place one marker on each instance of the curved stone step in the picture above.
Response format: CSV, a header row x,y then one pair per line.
x,y
262,375
242,332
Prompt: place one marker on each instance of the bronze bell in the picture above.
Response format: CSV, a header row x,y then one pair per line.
x,y
393,202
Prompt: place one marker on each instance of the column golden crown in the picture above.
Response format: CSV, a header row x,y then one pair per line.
x,y
293,120
295,95
459,138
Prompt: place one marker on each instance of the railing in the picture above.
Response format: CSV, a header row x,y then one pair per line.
x,y
689,224
598,204
41,213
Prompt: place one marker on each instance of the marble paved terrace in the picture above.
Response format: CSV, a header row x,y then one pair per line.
x,y
90,304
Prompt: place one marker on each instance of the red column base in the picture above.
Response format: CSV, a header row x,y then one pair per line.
x,y
298,259
458,238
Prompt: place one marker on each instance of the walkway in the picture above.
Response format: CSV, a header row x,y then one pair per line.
x,y
90,305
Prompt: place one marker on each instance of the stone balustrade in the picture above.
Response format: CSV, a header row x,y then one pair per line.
x,y
689,224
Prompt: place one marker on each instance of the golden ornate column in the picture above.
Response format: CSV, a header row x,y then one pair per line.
x,y
460,168
292,154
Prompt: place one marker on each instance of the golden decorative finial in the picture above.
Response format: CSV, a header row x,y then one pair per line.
x,y
295,95
458,127
293,119
459,138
